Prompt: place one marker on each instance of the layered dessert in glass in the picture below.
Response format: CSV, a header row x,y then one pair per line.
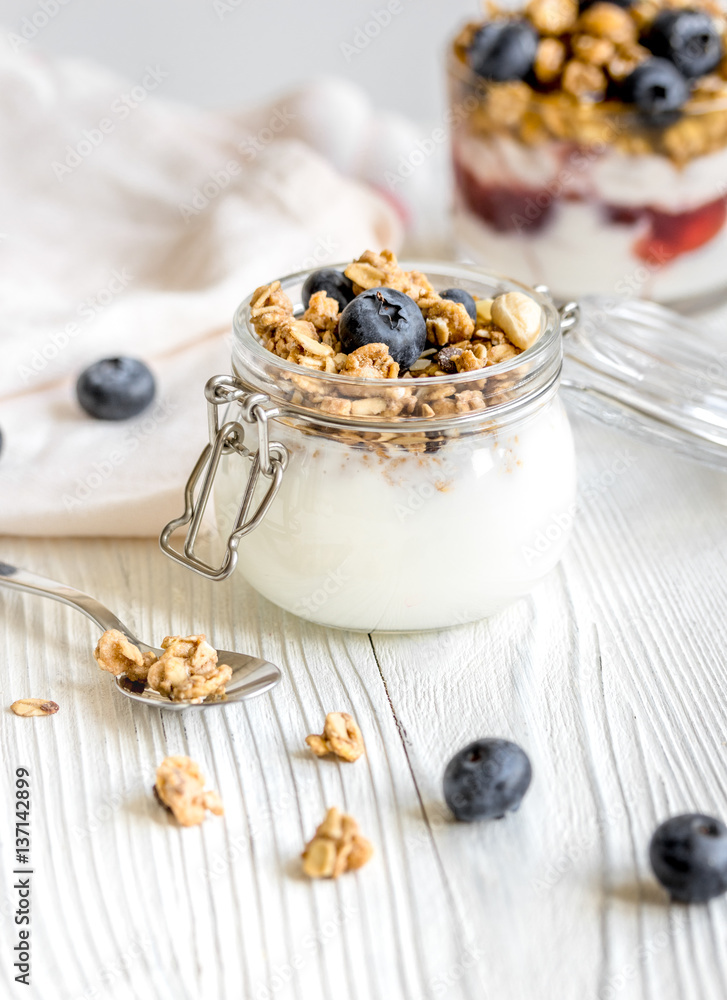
x,y
590,146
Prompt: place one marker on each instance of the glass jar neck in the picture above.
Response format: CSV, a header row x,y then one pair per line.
x,y
495,394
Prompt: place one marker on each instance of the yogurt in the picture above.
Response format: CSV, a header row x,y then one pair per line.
x,y
407,541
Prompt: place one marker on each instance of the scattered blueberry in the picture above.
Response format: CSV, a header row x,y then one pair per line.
x,y
460,295
334,283
689,856
115,388
503,50
384,316
658,90
688,38
487,779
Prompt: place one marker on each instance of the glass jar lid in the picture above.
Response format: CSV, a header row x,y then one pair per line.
x,y
652,373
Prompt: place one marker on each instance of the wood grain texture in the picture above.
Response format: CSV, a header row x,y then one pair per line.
x,y
612,676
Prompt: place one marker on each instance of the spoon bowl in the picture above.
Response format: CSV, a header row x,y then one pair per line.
x,y
251,676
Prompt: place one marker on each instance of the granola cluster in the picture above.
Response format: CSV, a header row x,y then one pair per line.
x,y
336,847
187,670
582,58
33,708
455,343
180,789
340,736
115,654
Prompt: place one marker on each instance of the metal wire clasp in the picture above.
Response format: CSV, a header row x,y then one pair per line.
x,y
569,316
569,312
270,461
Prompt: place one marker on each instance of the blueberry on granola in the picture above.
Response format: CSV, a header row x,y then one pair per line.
x,y
689,856
504,50
460,295
625,4
115,388
384,316
658,90
688,38
334,283
487,779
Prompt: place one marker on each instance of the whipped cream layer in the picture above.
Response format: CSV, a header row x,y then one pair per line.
x,y
580,253
413,541
606,175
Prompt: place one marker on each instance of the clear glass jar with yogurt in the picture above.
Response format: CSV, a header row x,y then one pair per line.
x,y
410,522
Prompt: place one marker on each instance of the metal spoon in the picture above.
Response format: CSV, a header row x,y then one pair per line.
x,y
250,676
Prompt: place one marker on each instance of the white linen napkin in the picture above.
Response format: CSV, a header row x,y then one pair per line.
x,y
133,225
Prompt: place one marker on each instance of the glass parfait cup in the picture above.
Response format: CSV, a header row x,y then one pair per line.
x,y
341,506
585,197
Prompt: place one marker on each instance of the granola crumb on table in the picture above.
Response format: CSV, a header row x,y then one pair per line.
x,y
180,788
341,736
33,708
336,847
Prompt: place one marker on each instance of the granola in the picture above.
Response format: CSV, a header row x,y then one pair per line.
x,y
116,654
33,708
187,670
180,789
337,847
574,91
371,361
340,736
456,343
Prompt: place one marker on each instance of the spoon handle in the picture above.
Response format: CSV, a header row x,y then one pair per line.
x,y
20,579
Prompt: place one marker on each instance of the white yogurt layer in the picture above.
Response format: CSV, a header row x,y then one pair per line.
x,y
610,176
579,253
417,541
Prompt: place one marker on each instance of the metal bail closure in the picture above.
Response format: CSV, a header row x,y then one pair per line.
x,y
270,461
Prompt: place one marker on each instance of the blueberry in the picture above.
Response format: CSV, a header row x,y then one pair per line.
x,y
384,316
625,4
689,856
503,50
334,283
658,90
460,295
115,388
487,779
688,38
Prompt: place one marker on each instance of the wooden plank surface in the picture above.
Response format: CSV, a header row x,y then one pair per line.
x,y
612,676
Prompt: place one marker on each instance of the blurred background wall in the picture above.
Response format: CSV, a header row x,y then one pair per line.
x,y
221,53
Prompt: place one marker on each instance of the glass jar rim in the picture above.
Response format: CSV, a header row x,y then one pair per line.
x,y
543,358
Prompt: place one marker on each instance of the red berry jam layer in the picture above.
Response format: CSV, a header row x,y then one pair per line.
x,y
518,209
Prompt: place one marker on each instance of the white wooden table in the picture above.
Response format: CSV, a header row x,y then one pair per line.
x,y
612,676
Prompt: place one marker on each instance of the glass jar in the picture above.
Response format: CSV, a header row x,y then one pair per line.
x,y
584,197
344,509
